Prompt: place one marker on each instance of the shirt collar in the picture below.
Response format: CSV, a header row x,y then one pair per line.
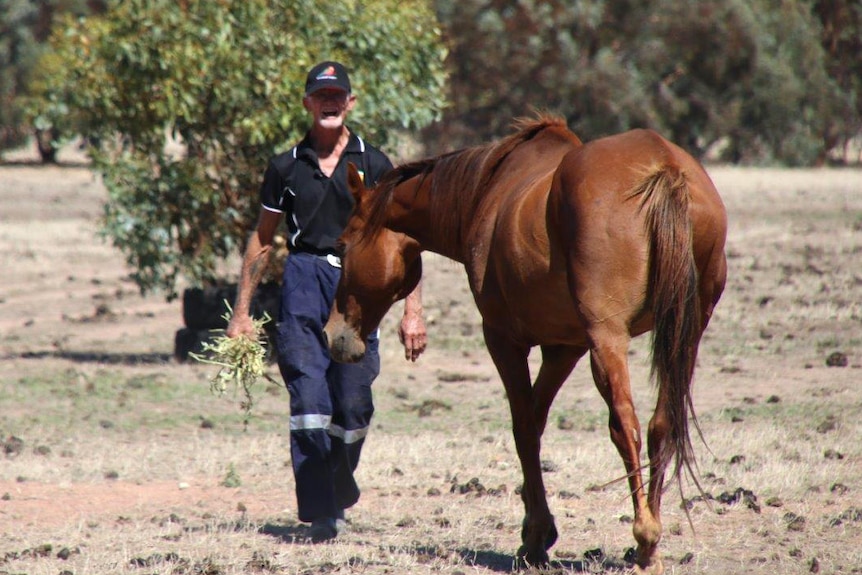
x,y
355,145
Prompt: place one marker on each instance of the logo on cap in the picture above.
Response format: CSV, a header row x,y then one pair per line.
x,y
327,73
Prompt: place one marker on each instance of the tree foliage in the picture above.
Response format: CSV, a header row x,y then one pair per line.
x,y
16,57
223,83
25,26
761,80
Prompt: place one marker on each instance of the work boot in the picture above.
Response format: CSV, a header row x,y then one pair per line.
x,y
323,529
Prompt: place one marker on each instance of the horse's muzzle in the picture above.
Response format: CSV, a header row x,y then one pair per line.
x,y
344,346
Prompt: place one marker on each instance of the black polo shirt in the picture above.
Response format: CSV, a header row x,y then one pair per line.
x,y
317,207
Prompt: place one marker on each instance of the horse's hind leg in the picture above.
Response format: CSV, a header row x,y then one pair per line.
x,y
538,533
611,374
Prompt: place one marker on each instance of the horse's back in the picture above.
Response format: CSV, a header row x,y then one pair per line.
x,y
601,227
595,181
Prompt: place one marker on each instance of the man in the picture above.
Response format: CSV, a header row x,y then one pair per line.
x,y
331,404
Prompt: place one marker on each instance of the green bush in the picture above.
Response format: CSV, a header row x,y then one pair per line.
x,y
184,102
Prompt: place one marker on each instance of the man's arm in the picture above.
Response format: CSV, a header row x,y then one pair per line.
x,y
412,330
254,264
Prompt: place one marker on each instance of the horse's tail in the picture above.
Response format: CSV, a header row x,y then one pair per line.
x,y
673,293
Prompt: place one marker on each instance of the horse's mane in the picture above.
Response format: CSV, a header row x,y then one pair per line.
x,y
459,178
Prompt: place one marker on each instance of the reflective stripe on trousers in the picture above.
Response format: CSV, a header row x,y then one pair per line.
x,y
330,402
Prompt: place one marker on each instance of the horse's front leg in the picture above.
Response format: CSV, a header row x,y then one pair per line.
x,y
538,533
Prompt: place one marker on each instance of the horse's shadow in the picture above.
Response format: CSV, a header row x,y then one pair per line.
x,y
488,559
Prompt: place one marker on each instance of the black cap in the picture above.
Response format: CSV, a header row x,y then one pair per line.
x,y
327,75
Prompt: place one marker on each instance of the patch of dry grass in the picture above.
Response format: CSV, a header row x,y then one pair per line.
x,y
121,468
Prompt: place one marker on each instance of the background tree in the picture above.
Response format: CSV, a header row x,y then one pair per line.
x,y
222,82
760,81
842,41
25,26
17,55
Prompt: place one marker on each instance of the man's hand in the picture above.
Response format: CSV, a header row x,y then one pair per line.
x,y
412,334
241,324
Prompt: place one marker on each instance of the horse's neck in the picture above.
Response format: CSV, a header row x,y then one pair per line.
x,y
412,212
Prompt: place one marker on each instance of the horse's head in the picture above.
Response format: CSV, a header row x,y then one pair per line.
x,y
379,267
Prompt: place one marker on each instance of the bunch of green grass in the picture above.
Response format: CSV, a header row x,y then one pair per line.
x,y
241,361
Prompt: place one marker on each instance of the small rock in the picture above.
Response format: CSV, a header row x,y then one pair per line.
x,y
740,495
13,446
472,486
839,489
594,555
794,522
565,424
828,424
853,515
498,491
837,359
832,454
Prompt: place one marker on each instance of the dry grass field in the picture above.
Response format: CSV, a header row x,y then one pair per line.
x,y
118,460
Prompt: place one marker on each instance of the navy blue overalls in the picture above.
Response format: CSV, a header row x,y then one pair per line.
x,y
330,403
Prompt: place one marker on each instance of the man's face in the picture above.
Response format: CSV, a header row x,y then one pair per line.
x,y
329,107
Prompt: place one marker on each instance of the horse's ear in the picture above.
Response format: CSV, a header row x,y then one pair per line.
x,y
355,181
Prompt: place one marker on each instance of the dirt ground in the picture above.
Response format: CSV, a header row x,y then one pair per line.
x,y
786,337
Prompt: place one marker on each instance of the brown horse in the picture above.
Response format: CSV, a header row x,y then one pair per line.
x,y
570,247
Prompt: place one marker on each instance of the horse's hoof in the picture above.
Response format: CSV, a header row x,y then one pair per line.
x,y
527,559
550,536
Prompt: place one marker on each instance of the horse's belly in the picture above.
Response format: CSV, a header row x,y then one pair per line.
x,y
539,312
